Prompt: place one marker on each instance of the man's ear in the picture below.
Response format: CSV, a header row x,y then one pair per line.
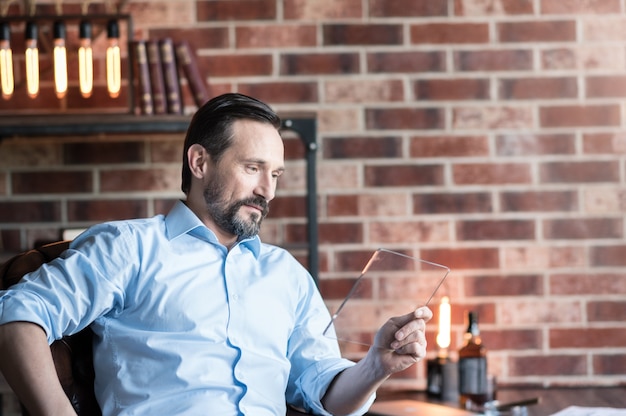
x,y
197,158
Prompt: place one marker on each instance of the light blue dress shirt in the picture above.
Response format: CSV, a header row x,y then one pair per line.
x,y
182,325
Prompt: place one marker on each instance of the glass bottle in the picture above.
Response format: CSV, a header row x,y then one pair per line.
x,y
473,390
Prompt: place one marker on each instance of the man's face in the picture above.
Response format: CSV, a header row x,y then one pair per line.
x,y
242,183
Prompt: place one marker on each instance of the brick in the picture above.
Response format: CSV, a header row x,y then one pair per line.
x,y
449,33
493,117
336,119
275,36
448,146
583,228
605,337
492,8
30,211
603,200
604,143
599,28
140,180
198,38
362,147
605,86
451,89
105,210
288,207
367,205
609,364
10,241
493,60
529,144
363,91
282,92
319,64
340,176
411,62
463,258
3,183
340,233
293,234
342,205
23,153
90,153
322,10
542,257
552,365
408,232
512,339
510,285
403,175
163,205
491,174
404,118
362,34
538,88
606,311
352,261
537,31
452,203
589,284
539,201
606,256
168,13
224,10
338,289
583,7
480,230
597,57
528,311
51,182
166,151
236,65
401,8
579,172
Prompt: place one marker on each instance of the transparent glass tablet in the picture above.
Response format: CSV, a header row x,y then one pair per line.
x,y
390,284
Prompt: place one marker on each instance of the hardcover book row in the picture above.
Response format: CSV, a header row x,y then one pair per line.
x,y
161,65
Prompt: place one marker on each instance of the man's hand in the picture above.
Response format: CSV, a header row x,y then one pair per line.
x,y
401,341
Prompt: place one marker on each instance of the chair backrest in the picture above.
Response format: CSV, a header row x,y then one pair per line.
x,y
72,355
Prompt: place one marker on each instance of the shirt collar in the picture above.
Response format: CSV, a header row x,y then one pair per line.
x,y
181,220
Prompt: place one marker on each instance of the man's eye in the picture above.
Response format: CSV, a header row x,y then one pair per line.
x,y
252,169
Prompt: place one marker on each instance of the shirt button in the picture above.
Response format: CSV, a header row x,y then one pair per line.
x,y
235,297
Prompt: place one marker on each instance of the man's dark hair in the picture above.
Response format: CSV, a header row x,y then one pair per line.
x,y
211,126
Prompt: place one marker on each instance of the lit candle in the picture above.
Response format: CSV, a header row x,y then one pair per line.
x,y
443,337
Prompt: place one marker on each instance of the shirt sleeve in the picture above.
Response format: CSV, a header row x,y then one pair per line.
x,y
315,358
65,295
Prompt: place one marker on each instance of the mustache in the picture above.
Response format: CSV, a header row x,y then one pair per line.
x,y
257,201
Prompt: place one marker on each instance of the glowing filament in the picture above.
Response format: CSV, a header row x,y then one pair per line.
x,y
85,60
32,60
60,60
113,60
6,62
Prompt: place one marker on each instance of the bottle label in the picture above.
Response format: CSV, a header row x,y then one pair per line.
x,y
473,375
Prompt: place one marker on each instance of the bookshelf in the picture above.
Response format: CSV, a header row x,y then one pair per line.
x,y
22,127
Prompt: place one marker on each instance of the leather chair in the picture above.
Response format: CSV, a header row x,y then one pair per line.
x,y
72,355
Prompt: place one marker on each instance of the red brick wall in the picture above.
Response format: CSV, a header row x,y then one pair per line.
x,y
485,135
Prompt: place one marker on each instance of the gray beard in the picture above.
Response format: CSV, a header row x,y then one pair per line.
x,y
226,216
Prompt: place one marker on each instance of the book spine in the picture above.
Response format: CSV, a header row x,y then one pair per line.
x,y
170,75
188,62
143,78
157,81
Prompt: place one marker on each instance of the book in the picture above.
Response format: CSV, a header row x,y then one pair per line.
x,y
188,64
170,75
144,92
157,82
